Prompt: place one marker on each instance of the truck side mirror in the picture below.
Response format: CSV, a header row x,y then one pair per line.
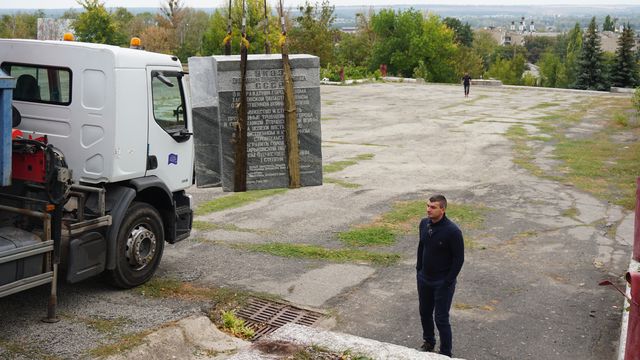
x,y
15,117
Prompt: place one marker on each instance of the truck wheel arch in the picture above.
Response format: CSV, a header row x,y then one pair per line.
x,y
149,190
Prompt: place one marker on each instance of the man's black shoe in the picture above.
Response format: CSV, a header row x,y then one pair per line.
x,y
427,347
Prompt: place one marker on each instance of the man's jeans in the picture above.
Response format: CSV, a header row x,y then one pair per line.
x,y
436,296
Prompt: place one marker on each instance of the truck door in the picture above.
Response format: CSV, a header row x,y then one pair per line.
x,y
170,147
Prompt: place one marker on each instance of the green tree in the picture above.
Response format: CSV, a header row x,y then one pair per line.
x,y
552,71
216,30
509,71
468,61
625,67
464,34
591,66
20,25
609,24
122,18
484,44
95,24
537,45
572,54
355,49
314,33
408,43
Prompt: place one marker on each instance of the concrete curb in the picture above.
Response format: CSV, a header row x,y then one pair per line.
x,y
338,342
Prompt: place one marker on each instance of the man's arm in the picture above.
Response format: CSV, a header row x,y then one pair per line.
x,y
420,246
457,256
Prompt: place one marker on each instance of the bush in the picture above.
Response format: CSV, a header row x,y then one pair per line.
x,y
332,72
528,79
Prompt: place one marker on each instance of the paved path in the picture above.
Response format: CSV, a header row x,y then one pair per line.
x,y
529,285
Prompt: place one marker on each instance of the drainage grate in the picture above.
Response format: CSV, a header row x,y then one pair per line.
x,y
265,316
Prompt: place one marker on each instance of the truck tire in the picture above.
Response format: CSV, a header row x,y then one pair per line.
x,y
139,246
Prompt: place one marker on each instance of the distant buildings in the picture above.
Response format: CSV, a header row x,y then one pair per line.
x,y
516,35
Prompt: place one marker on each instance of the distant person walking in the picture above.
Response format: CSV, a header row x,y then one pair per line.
x,y
466,81
440,259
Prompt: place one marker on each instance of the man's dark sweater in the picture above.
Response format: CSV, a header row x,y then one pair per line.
x,y
441,250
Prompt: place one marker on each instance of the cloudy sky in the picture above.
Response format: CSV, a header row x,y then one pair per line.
x,y
65,4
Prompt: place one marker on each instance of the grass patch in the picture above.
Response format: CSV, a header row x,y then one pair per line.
x,y
106,326
159,287
367,236
343,164
13,350
127,342
209,226
544,105
571,212
348,143
344,184
317,252
236,200
235,326
602,167
523,153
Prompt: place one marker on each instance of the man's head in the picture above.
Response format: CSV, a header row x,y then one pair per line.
x,y
436,207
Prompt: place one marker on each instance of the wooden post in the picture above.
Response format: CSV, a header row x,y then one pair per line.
x,y
290,112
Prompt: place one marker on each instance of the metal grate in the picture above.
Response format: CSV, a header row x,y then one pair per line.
x,y
265,316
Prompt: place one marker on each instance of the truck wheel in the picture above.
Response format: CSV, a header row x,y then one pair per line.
x,y
139,247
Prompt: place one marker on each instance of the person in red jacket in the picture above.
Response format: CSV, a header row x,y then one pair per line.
x,y
440,259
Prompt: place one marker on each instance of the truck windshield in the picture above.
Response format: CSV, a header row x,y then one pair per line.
x,y
168,104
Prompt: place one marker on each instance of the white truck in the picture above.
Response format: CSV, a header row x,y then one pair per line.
x,y
96,172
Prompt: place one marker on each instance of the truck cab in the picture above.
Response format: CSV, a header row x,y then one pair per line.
x,y
119,121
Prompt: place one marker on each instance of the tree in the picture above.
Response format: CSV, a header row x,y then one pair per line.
x,y
484,44
591,68
216,31
122,18
409,43
355,49
537,45
509,71
464,34
552,71
625,67
95,24
314,33
609,24
573,51
20,25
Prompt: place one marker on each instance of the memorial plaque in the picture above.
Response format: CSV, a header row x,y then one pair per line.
x,y
266,157
204,104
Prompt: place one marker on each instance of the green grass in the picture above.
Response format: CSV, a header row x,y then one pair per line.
x,y
344,184
595,162
126,342
544,105
341,165
236,200
209,226
317,252
13,349
367,236
235,326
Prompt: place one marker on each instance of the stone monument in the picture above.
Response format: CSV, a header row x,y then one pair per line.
x,y
266,157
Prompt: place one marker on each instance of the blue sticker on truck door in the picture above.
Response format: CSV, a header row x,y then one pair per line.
x,y
173,159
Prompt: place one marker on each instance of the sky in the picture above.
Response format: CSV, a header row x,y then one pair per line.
x,y
65,4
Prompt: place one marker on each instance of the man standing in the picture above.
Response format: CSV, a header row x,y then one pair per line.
x,y
440,258
466,82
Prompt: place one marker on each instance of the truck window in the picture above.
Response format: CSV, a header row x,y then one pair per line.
x,y
168,104
42,84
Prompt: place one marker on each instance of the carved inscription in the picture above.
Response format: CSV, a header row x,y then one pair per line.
x,y
265,126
